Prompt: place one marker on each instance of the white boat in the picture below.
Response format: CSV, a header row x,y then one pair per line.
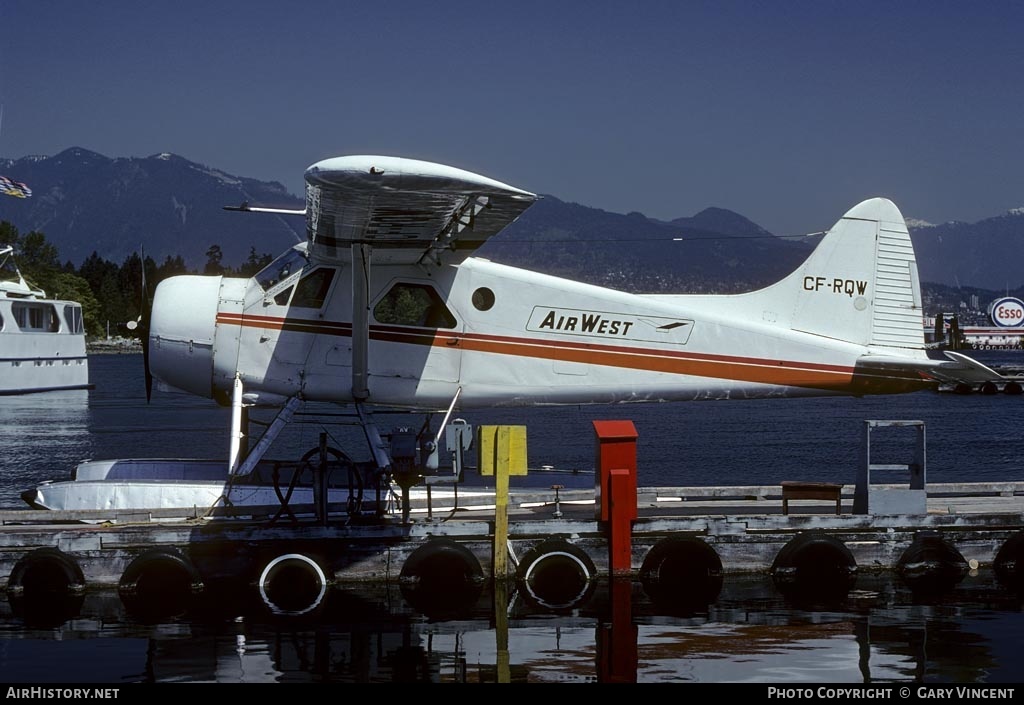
x,y
42,340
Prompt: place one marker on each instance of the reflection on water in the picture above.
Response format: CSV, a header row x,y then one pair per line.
x,y
879,632
739,442
49,429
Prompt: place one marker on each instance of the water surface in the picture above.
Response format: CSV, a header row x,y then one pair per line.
x,y
879,633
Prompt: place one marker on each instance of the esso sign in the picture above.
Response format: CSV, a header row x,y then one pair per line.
x,y
1007,313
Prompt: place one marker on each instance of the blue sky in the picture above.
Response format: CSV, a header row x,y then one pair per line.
x,y
786,112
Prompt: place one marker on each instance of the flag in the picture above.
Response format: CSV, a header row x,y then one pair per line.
x,y
14,188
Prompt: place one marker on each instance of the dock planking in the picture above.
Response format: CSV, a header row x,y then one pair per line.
x,y
744,525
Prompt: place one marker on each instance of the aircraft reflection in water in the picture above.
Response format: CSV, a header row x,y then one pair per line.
x,y
878,634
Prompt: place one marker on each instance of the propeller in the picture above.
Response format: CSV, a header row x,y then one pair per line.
x,y
142,325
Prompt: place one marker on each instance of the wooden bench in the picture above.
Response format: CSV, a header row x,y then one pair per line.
x,y
811,490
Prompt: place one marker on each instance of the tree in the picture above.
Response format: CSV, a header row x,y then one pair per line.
x,y
37,259
113,306
131,279
103,277
172,266
95,270
36,254
71,287
8,233
255,263
213,261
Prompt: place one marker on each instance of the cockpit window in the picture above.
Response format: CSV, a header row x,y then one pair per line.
x,y
281,298
310,292
281,268
413,305
313,288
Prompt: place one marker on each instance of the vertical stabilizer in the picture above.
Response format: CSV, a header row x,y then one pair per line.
x,y
860,285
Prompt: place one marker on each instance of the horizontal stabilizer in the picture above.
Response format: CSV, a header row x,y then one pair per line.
x,y
957,368
966,369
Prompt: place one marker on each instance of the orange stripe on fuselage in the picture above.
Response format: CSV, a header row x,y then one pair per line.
x,y
747,369
672,362
297,325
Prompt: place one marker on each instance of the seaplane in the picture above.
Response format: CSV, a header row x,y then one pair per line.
x,y
386,306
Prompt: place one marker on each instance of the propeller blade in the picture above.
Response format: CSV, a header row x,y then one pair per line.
x,y
143,324
145,361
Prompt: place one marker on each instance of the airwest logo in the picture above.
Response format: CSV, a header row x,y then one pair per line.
x,y
836,285
602,324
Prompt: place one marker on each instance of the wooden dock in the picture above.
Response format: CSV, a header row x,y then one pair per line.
x,y
555,542
744,527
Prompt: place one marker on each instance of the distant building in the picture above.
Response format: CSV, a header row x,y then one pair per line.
x,y
1006,315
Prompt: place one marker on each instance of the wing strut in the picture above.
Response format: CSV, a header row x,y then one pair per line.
x,y
361,254
237,432
463,218
270,435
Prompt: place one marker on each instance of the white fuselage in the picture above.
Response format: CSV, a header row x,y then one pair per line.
x,y
511,338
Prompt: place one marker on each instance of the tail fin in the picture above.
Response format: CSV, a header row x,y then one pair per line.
x,y
860,285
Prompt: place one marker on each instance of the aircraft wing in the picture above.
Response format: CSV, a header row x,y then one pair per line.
x,y
408,210
956,368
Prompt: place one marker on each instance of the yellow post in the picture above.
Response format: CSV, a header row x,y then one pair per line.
x,y
503,661
502,453
501,464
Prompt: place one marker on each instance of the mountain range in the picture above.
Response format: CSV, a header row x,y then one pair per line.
x,y
168,206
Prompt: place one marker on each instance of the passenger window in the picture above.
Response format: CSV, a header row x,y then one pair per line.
x,y
413,305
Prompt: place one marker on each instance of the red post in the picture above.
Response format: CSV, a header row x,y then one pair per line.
x,y
615,490
617,654
620,527
616,448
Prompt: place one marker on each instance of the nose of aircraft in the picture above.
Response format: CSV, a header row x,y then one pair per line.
x,y
182,326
